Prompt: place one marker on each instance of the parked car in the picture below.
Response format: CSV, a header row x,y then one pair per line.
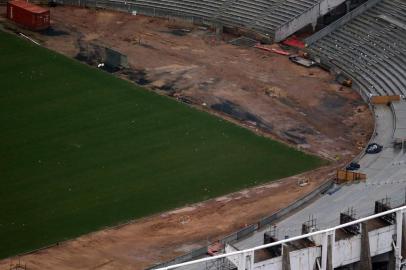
x,y
353,166
374,148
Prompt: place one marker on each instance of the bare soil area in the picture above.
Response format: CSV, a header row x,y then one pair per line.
x,y
301,106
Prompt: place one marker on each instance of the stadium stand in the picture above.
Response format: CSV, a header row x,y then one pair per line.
x,y
370,49
275,19
260,15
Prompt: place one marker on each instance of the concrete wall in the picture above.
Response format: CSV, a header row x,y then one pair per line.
x,y
299,260
345,251
233,259
309,17
349,250
340,22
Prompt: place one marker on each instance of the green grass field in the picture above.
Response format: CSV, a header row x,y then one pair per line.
x,y
81,149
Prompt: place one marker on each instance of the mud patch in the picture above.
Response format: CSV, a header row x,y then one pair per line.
x,y
168,87
333,101
179,32
303,130
207,85
137,76
185,99
110,69
235,111
239,113
294,137
89,53
147,46
52,32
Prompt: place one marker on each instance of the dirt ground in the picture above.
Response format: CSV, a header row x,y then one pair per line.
x,y
264,91
300,106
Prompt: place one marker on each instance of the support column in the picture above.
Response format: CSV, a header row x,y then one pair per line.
x,y
391,263
404,237
241,262
324,251
330,250
285,258
398,248
314,25
219,31
348,6
365,260
246,261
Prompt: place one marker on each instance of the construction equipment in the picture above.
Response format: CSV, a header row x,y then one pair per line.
x,y
302,61
347,82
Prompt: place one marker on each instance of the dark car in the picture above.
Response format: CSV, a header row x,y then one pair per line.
x,y
353,166
374,148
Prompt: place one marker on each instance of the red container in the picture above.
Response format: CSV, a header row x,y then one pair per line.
x,y
28,15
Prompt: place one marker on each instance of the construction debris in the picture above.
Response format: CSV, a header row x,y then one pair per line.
x,y
270,49
293,41
275,92
302,61
213,249
347,82
303,182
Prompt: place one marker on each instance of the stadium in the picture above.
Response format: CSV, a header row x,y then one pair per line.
x,y
211,134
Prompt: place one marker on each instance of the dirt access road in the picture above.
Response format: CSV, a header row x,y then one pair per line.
x,y
260,90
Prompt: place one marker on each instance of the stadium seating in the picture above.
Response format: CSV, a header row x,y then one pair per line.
x,y
261,15
370,49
